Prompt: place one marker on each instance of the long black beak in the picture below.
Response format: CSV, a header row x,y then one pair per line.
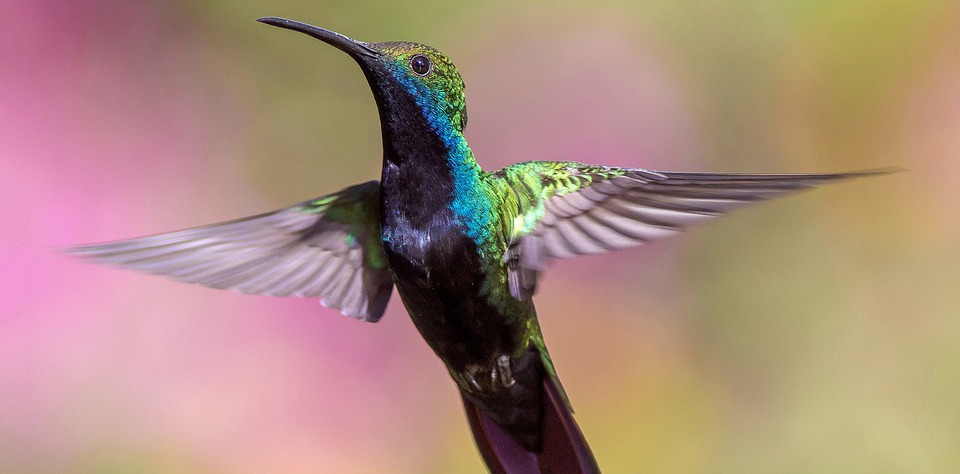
x,y
348,45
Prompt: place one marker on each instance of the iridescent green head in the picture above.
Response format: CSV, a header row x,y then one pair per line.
x,y
431,74
399,72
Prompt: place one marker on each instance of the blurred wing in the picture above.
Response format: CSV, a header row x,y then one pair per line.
x,y
328,247
568,209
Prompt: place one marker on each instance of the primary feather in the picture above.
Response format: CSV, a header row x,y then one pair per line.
x,y
568,209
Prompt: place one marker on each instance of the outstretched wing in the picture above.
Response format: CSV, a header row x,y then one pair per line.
x,y
567,209
328,247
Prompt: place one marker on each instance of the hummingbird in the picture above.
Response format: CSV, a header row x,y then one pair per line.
x,y
464,247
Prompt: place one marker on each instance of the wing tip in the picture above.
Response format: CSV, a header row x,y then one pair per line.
x,y
875,172
85,251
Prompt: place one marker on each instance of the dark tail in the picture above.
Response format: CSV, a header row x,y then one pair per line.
x,y
564,450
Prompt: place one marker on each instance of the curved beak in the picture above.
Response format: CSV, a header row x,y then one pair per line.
x,y
354,48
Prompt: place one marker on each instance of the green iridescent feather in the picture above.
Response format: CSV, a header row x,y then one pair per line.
x,y
357,208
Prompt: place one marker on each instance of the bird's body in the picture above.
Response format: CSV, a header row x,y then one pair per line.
x,y
445,229
463,246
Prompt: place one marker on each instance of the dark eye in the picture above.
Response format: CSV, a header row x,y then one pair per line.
x,y
420,64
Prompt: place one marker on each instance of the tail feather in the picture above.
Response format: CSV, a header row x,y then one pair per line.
x,y
563,451
564,448
501,453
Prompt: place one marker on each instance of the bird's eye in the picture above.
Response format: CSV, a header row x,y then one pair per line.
x,y
421,64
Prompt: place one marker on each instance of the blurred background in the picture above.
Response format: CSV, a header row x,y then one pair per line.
x,y
819,333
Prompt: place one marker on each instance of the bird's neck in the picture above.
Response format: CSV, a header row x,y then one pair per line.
x,y
436,148
428,168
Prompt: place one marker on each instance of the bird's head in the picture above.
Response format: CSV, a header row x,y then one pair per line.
x,y
406,78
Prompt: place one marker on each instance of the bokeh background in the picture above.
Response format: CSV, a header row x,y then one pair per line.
x,y
816,334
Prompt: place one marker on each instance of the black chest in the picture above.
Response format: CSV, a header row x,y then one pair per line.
x,y
424,242
440,275
420,234
438,269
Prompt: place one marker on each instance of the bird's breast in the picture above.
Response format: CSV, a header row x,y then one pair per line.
x,y
423,242
441,276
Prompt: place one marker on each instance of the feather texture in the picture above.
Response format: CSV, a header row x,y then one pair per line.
x,y
568,209
328,247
